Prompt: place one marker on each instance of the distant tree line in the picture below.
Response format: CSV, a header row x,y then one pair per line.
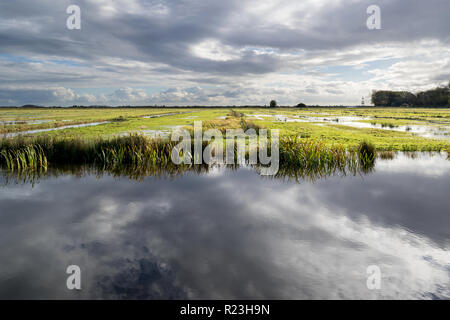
x,y
439,97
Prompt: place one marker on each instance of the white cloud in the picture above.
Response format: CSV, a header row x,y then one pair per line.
x,y
214,50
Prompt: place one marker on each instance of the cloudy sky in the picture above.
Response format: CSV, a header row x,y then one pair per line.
x,y
215,52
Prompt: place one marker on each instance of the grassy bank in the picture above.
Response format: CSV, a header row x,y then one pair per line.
x,y
141,153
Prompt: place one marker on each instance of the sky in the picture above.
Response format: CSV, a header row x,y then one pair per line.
x,y
223,52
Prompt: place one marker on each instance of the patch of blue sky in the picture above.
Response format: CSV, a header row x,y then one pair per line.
x,y
22,59
381,64
14,58
346,73
356,73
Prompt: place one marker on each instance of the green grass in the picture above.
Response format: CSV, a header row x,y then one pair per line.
x,y
141,154
131,120
64,117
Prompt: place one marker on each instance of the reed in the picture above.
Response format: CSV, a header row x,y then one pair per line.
x,y
310,157
367,152
141,154
23,157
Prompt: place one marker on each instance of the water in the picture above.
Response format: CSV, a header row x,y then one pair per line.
x,y
165,115
164,133
15,134
435,132
230,235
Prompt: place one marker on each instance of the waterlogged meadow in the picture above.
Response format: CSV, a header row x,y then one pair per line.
x,y
396,129
353,191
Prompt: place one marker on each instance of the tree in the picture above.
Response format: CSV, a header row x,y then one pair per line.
x,y
273,104
381,98
433,98
301,105
439,97
393,98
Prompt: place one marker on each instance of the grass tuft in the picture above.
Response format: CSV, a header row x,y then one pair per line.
x,y
367,151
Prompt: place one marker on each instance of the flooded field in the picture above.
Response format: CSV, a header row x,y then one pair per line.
x,y
229,234
397,129
31,132
427,131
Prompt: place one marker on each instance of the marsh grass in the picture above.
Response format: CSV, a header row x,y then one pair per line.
x,y
367,152
235,114
28,153
302,158
246,125
333,133
235,120
119,119
138,155
222,124
48,125
23,157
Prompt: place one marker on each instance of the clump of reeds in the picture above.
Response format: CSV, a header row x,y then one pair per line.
x,y
367,151
113,153
139,154
23,157
312,157
31,153
119,119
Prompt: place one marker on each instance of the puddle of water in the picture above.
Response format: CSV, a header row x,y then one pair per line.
x,y
15,134
158,115
423,131
441,132
156,133
230,235
164,115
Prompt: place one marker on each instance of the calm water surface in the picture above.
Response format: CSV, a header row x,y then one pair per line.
x,y
230,235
